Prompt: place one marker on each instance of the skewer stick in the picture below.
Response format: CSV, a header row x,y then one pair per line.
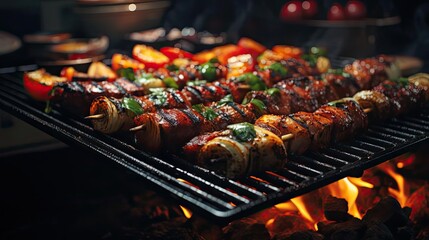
x,y
367,110
138,128
244,87
96,116
287,137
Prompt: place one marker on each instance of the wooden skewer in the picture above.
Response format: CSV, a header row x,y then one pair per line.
x,y
138,128
287,137
96,116
244,87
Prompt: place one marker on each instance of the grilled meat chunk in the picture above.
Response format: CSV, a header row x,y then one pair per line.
x,y
342,121
76,97
368,72
169,129
283,125
320,128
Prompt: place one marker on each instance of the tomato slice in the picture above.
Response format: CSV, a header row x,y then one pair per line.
x,y
150,57
174,53
231,52
288,51
252,46
238,65
39,84
123,61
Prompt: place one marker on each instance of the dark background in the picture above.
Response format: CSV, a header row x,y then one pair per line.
x,y
71,194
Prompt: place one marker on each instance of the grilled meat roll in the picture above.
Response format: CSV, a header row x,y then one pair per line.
x,y
240,150
178,126
368,72
169,128
118,116
377,102
319,127
343,83
403,97
282,125
276,101
76,97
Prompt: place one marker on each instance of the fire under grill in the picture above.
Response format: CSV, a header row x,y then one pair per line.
x,y
206,193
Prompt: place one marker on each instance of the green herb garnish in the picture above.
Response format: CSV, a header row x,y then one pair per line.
x,y
213,60
169,82
273,91
254,82
196,83
207,112
225,100
127,73
208,70
244,132
260,106
278,69
172,68
402,81
132,105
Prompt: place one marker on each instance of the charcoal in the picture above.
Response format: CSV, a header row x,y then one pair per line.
x,y
300,235
351,229
423,233
174,229
208,229
419,203
389,212
404,233
245,229
335,209
378,231
287,223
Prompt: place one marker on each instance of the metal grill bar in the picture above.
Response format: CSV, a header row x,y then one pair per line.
x,y
207,193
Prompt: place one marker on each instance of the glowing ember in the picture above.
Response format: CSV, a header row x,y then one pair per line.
x,y
186,212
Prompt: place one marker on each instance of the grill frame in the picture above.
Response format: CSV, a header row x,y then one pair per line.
x,y
209,194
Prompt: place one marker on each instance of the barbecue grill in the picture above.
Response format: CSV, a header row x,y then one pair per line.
x,y
204,192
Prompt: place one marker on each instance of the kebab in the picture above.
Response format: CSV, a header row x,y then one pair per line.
x,y
333,122
77,96
110,115
283,100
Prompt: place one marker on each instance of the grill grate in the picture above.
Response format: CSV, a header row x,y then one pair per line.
x,y
206,193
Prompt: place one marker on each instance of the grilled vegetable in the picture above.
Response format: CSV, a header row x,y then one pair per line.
x,y
377,102
150,57
39,84
240,150
120,61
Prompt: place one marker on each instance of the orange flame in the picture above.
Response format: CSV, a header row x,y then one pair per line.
x,y
186,212
401,194
300,205
347,188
